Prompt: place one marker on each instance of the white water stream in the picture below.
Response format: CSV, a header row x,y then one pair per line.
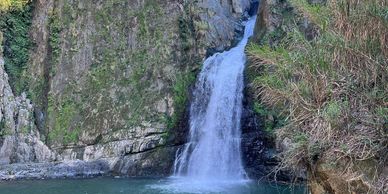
x,y
213,153
211,161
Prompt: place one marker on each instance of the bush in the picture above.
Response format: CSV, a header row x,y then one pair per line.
x,y
15,24
6,5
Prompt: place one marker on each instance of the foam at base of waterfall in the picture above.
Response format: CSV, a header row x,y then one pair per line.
x,y
177,184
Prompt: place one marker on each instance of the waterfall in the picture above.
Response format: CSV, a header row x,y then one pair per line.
x,y
214,151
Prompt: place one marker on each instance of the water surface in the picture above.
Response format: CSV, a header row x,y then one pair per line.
x,y
140,186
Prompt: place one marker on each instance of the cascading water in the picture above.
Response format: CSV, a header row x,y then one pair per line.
x,y
213,152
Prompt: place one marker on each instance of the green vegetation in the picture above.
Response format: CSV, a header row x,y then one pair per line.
x,y
186,32
333,110
15,24
35,89
2,124
5,132
331,87
181,97
191,26
55,28
6,5
272,120
319,14
2,127
63,115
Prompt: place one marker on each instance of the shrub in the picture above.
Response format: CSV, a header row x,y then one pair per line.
x,y
15,24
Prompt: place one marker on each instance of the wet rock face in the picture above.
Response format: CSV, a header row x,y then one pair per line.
x,y
223,20
146,163
258,149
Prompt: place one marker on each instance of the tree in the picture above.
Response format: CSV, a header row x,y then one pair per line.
x,y
12,4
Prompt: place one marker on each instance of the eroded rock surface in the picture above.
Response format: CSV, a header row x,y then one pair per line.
x,y
20,140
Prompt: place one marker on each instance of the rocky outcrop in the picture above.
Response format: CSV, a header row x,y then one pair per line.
x,y
70,169
19,140
259,150
109,83
330,176
221,21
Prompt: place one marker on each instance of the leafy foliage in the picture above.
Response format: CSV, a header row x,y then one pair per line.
x,y
6,5
15,24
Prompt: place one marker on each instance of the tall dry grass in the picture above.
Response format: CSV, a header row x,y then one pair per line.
x,y
333,89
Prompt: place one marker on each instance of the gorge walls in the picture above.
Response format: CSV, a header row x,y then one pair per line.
x,y
109,81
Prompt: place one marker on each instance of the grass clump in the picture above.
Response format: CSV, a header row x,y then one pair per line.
x,y
332,88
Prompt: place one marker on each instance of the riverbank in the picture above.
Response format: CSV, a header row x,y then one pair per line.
x,y
54,170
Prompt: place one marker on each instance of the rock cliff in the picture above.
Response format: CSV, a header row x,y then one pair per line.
x,y
20,141
108,84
